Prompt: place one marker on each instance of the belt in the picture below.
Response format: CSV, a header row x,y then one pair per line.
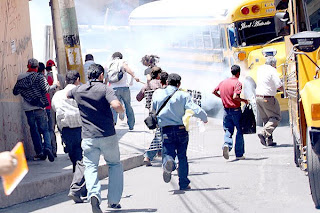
x,y
265,96
232,109
174,126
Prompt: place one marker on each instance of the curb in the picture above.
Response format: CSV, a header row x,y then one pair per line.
x,y
38,189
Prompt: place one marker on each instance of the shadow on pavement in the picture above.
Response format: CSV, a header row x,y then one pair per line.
x,y
177,192
256,159
133,210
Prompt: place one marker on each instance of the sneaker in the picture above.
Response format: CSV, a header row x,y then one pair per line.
x,y
225,152
186,188
50,155
75,198
130,128
262,139
114,206
241,158
95,205
121,116
272,144
146,161
40,156
167,171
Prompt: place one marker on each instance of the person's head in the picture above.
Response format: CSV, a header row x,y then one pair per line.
x,y
41,67
89,57
155,72
95,71
164,78
73,77
174,80
50,63
150,60
117,55
33,63
272,61
235,70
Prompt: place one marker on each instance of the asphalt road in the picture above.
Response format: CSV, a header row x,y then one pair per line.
x,y
266,181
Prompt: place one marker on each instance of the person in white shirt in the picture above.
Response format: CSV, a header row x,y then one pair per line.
x,y
69,123
122,91
268,82
88,61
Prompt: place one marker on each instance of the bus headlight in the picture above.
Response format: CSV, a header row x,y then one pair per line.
x,y
241,55
315,111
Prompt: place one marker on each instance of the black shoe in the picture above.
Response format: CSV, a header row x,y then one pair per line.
x,y
167,171
272,144
75,198
50,155
186,188
262,139
115,206
95,205
40,156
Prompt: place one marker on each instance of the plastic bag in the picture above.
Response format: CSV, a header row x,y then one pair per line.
x,y
248,120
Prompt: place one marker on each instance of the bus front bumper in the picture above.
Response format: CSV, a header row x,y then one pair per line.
x,y
315,140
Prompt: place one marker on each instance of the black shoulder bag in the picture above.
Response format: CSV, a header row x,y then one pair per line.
x,y
151,121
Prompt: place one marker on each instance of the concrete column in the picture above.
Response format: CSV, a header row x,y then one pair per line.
x,y
70,33
58,37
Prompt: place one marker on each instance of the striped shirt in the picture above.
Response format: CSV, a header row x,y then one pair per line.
x,y
33,87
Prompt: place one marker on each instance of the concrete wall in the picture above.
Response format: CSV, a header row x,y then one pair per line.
x,y
15,49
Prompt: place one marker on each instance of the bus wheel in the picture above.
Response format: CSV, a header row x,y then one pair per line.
x,y
313,166
296,150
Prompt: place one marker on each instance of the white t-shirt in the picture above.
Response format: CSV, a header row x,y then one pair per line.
x,y
124,81
268,80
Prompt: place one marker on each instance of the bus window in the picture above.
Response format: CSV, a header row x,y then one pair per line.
x,y
198,40
207,42
313,9
223,38
231,36
215,37
255,32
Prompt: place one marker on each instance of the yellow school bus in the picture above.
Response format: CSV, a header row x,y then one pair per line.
x,y
302,86
187,37
255,32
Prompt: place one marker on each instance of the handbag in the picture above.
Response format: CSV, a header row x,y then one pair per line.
x,y
151,121
248,120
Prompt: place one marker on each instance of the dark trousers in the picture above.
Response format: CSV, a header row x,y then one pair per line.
x,y
72,138
51,125
38,123
175,143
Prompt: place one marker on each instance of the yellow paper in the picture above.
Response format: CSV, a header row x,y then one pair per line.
x,y
12,180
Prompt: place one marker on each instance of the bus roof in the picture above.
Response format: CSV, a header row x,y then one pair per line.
x,y
179,12
267,8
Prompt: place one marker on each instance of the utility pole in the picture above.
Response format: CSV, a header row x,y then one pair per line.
x,y
70,34
58,38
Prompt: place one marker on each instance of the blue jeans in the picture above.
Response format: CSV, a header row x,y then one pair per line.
x,y
109,147
51,130
123,94
175,143
38,123
231,119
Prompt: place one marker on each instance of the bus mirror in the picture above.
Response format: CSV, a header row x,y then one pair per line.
x,y
283,16
307,41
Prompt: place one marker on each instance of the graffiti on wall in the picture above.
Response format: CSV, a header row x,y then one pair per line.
x,y
15,46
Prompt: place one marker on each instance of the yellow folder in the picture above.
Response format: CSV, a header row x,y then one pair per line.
x,y
12,180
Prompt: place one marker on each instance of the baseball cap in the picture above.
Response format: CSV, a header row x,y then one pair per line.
x,y
32,62
50,63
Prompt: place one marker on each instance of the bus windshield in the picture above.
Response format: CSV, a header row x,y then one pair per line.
x,y
255,32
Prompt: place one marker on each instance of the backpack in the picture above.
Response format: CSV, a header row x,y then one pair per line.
x,y
115,71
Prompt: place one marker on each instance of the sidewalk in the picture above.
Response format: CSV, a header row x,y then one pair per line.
x,y
45,178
